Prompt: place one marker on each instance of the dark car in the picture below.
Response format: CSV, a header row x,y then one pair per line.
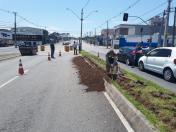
x,y
129,55
28,48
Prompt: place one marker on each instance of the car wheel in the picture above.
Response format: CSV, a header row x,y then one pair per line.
x,y
141,66
168,75
127,62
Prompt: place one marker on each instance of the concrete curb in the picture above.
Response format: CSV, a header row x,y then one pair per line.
x,y
9,57
135,118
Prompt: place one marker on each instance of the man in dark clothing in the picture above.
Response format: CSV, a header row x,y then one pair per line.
x,y
110,59
52,46
75,47
111,64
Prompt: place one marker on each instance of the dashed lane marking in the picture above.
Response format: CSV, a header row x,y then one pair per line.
x,y
11,80
120,115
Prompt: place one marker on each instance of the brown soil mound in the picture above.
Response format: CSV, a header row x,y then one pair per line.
x,y
89,74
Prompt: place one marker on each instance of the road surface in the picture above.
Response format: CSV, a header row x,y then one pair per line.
x,y
49,98
8,52
147,75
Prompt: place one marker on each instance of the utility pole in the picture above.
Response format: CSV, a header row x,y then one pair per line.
x,y
95,32
173,33
107,34
167,24
95,36
82,14
141,34
161,31
15,26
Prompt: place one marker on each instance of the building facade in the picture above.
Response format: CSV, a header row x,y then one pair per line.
x,y
5,38
36,35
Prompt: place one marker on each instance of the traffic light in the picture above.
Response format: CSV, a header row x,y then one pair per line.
x,y
125,17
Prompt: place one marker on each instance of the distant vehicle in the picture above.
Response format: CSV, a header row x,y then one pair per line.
x,y
6,43
66,43
28,48
161,61
19,43
128,54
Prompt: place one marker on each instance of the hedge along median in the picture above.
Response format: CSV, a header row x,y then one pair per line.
x,y
156,103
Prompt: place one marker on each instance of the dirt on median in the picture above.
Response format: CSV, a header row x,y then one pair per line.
x,y
89,74
159,102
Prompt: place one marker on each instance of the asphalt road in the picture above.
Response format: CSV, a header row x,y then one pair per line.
x,y
49,98
147,75
8,50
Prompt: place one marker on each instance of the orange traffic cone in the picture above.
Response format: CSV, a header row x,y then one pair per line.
x,y
49,57
20,70
60,53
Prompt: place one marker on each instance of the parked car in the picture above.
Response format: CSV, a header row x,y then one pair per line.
x,y
129,55
161,61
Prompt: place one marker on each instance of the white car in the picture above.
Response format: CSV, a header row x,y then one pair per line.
x,y
160,60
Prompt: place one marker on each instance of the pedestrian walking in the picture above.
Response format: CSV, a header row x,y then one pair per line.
x,y
52,47
75,48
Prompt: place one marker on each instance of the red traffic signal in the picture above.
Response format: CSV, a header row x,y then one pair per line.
x,y
125,17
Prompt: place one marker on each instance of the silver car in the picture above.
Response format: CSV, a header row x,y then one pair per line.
x,y
162,61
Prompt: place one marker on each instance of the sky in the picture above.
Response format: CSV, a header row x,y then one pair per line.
x,y
52,14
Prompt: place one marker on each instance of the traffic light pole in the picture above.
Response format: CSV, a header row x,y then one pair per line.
x,y
95,36
107,34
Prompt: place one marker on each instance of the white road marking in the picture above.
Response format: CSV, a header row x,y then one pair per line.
x,y
26,71
11,80
120,115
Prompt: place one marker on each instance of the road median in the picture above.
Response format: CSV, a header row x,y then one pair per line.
x,y
156,105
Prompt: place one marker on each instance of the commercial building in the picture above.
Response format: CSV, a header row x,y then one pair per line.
x,y
5,37
140,32
37,35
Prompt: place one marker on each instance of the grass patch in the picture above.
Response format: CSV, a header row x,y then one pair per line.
x,y
156,103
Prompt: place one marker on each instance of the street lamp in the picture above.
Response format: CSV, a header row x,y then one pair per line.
x,y
82,18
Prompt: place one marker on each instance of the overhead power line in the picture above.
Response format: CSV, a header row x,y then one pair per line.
x,y
28,21
119,14
23,18
159,14
86,4
6,11
151,10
